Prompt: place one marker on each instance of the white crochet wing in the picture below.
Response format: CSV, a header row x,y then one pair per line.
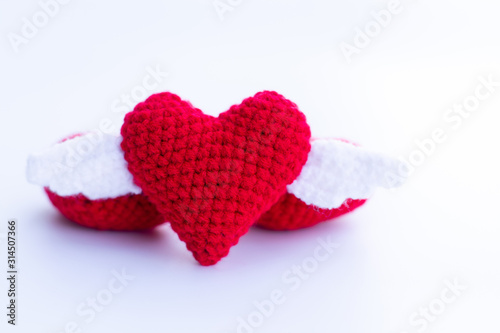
x,y
92,164
336,171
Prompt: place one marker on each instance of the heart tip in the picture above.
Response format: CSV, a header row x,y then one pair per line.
x,y
208,262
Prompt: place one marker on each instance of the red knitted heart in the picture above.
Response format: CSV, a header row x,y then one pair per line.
x,y
213,177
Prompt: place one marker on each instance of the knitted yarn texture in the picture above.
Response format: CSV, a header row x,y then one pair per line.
x,y
213,177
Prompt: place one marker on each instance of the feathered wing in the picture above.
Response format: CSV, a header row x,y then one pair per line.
x,y
336,171
91,164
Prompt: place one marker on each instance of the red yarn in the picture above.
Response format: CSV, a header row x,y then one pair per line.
x,y
128,212
291,213
213,177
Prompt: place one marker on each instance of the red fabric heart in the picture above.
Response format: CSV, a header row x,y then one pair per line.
x,y
213,177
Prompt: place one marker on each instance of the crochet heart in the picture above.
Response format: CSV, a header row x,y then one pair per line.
x,y
213,177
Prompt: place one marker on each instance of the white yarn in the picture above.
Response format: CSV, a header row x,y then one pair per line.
x,y
92,164
336,171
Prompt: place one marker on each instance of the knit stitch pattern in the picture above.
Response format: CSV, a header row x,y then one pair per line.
x,y
291,213
213,177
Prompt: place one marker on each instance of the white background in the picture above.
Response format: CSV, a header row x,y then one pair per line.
x,y
395,253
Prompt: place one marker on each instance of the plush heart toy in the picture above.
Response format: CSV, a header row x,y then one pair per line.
x,y
214,176
211,178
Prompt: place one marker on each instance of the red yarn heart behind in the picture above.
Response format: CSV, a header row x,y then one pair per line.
x,y
127,212
213,177
291,213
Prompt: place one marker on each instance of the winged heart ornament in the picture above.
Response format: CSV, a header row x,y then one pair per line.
x,y
210,177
